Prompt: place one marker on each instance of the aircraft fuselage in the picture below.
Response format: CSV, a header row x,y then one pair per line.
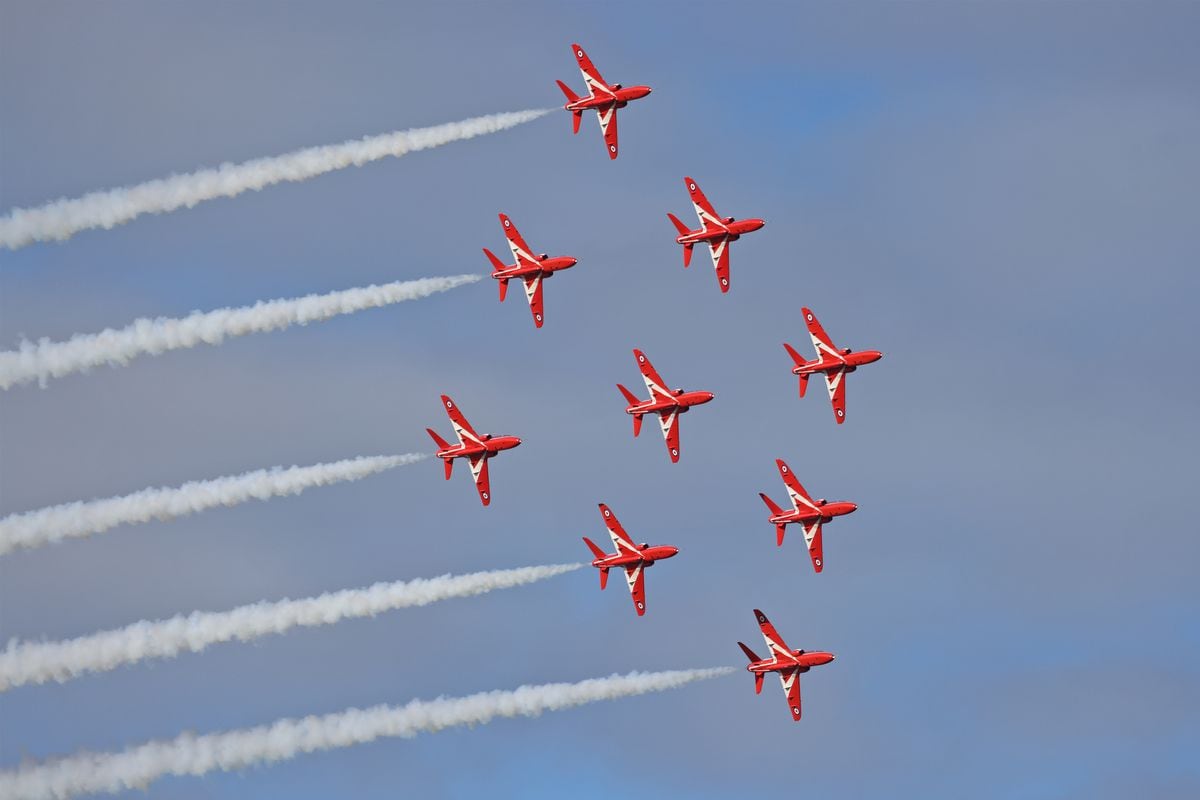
x,y
681,400
730,229
646,556
490,447
848,360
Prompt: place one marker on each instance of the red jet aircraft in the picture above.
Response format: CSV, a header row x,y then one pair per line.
x,y
788,663
664,402
601,97
629,556
811,514
477,449
831,362
716,232
530,268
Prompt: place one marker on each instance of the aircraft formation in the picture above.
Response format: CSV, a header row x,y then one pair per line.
x,y
716,233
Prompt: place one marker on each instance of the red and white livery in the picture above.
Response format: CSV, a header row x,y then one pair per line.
x,y
471,446
715,231
808,513
834,364
601,97
664,402
530,269
789,664
633,558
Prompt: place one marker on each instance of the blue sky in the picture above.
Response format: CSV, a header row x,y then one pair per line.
x,y
1002,198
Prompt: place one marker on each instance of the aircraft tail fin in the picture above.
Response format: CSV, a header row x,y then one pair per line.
x,y
596,551
749,653
679,226
770,504
441,443
630,397
497,264
566,90
799,359
758,676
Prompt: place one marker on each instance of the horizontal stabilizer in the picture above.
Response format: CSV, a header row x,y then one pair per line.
x,y
630,397
749,653
637,425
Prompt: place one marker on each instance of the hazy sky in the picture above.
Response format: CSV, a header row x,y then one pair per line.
x,y
1001,197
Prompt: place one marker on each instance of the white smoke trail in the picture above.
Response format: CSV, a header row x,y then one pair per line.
x,y
46,359
106,209
38,662
189,754
83,518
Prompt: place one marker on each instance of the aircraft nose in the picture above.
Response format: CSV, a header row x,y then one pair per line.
x,y
672,551
851,508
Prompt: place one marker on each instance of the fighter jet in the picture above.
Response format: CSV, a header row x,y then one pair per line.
x,y
810,514
664,402
529,268
834,364
715,231
788,663
601,97
632,558
471,446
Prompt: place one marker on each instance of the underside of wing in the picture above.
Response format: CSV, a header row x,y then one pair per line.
x,y
670,428
636,577
654,382
800,499
591,76
619,537
775,644
791,687
812,538
608,126
533,293
820,339
719,250
479,471
704,209
521,251
836,383
462,428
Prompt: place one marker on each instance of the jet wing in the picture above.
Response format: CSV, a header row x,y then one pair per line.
x,y
533,293
462,428
820,339
608,126
835,381
654,382
479,471
670,428
620,538
812,538
790,678
709,219
719,250
520,250
636,577
591,76
800,499
775,644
